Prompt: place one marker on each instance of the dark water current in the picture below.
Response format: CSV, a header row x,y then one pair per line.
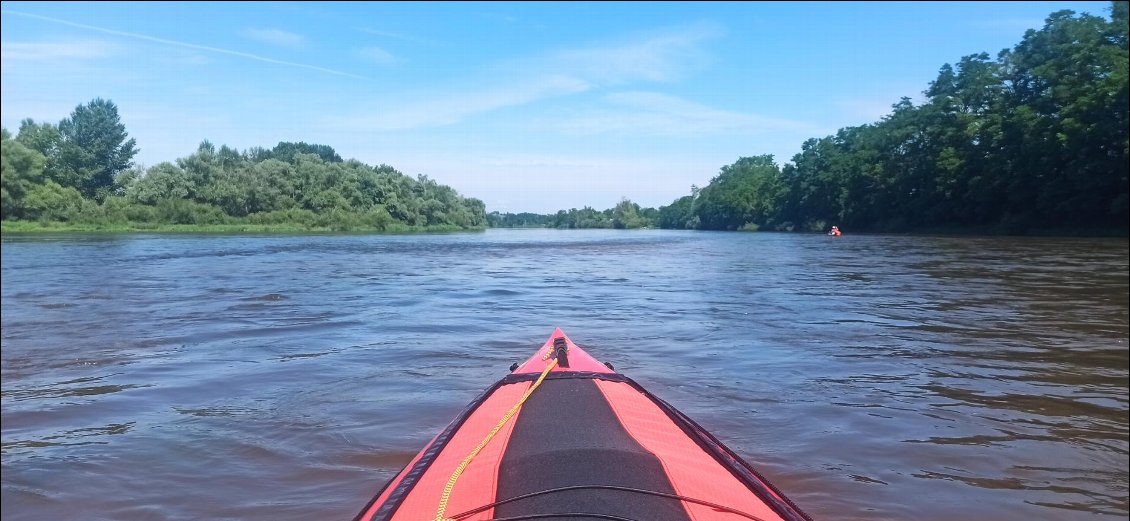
x,y
151,377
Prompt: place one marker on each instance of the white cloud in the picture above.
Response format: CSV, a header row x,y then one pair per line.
x,y
451,108
276,37
396,36
650,113
376,55
185,45
655,57
53,51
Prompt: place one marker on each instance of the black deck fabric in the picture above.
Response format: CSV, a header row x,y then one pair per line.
x,y
567,435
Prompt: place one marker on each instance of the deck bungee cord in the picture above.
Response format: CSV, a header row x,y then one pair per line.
x,y
567,436
558,353
723,508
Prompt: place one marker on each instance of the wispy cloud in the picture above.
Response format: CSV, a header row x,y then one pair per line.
x,y
396,36
186,45
52,51
452,108
650,113
376,55
656,57
276,37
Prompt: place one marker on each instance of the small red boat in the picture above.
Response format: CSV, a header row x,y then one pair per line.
x,y
564,436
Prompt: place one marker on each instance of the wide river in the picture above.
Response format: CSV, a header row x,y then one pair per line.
x,y
877,377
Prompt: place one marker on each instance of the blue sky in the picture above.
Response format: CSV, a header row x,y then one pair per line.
x,y
527,106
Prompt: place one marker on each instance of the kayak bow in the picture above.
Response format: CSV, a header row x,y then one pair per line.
x,y
564,436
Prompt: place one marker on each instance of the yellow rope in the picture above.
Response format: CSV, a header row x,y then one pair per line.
x,y
467,461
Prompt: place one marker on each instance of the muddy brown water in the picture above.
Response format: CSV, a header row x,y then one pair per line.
x,y
169,377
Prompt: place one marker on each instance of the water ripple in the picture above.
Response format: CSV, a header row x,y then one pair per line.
x,y
265,377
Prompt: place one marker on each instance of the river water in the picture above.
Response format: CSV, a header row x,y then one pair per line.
x,y
170,377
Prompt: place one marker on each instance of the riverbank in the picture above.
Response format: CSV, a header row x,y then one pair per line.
x,y
19,227
52,227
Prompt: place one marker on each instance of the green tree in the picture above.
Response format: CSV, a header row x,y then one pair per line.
x,y
164,181
679,215
626,215
93,149
53,202
285,152
21,170
748,192
43,138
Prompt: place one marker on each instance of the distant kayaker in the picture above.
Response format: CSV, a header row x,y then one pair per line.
x,y
835,231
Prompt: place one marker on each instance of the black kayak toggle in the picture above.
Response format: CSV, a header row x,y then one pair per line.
x,y
561,352
513,366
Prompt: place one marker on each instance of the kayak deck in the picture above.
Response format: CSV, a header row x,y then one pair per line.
x,y
586,443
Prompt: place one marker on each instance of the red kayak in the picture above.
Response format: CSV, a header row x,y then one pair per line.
x,y
564,436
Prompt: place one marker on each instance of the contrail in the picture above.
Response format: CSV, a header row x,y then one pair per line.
x,y
186,45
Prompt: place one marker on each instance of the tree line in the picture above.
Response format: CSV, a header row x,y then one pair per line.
x,y
626,215
81,171
1035,140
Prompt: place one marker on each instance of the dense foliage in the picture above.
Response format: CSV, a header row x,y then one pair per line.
x,y
625,215
81,171
1033,141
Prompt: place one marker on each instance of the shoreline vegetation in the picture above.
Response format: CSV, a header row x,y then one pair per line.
x,y
1033,142
37,227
